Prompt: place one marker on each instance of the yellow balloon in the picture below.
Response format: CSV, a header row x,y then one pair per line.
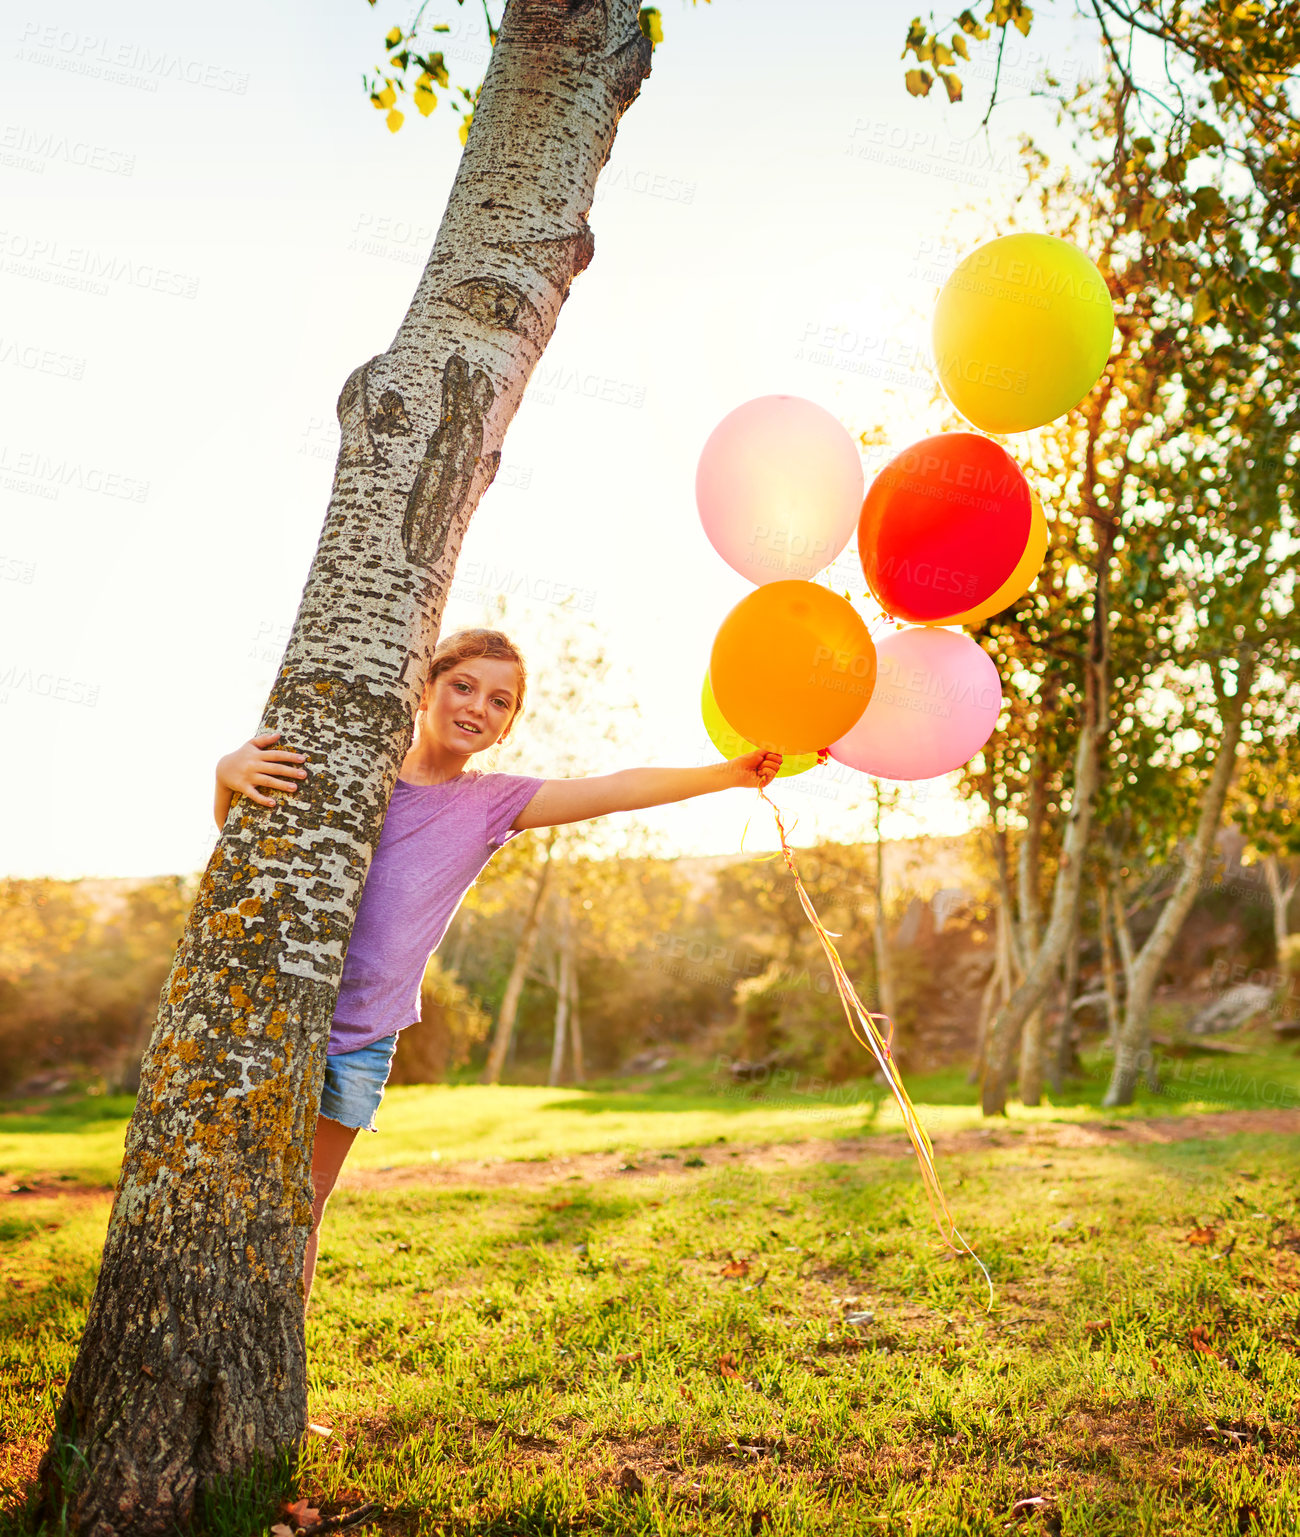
x,y
731,744
1020,580
1022,331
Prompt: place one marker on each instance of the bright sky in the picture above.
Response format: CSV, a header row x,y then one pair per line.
x,y
206,227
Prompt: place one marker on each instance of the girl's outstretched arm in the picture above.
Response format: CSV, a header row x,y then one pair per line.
x,y
578,800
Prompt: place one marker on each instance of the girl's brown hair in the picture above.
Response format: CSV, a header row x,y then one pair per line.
x,y
470,645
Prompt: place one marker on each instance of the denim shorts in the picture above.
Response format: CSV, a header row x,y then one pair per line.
x,y
354,1084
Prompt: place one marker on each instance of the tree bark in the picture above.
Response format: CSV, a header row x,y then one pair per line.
x,y
1028,856
559,1039
1133,1054
575,1021
519,971
192,1367
885,1000
1011,1016
1109,977
1280,893
1064,1057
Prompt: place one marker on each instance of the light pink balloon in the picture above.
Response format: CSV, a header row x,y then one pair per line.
x,y
935,704
779,488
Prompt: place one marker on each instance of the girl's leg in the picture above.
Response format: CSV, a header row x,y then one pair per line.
x,y
330,1149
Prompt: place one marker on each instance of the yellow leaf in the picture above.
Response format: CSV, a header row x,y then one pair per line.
x,y
385,98
425,100
943,55
651,24
394,120
952,85
393,38
464,127
918,82
959,45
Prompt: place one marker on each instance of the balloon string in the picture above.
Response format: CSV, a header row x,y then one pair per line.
x,y
862,1022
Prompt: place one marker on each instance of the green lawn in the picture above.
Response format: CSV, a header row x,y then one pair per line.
x,y
708,1344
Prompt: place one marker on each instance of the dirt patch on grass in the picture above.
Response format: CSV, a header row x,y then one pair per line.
x,y
535,1173
44,1190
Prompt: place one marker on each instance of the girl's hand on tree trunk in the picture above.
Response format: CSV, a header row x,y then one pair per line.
x,y
256,767
756,770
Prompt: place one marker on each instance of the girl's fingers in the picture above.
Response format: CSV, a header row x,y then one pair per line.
x,y
267,736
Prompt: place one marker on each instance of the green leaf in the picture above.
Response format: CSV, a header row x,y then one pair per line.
x,y
1204,136
651,24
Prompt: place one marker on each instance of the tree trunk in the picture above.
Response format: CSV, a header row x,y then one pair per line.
x,y
1064,1057
192,1367
1011,1016
991,989
1108,973
1028,857
1123,933
575,1020
562,990
505,1030
885,1000
1133,1054
1281,893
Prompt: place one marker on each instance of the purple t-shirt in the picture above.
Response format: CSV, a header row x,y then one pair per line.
x,y
436,839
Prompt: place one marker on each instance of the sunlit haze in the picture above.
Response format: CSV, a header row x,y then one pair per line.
x,y
206,227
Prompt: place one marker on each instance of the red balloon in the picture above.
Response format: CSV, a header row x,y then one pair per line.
x,y
943,526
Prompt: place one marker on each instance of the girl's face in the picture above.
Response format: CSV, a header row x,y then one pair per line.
x,y
469,707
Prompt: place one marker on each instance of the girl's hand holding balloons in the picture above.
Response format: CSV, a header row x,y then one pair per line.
x,y
756,770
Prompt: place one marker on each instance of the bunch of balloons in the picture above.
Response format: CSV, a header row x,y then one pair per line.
x,y
949,532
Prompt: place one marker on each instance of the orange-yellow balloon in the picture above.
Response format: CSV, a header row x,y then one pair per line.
x,y
1022,331
792,667
1020,580
731,744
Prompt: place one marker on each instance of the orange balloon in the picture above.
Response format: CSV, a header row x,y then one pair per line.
x,y
793,667
1020,580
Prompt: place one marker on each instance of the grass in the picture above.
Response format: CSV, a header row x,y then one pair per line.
x,y
745,1337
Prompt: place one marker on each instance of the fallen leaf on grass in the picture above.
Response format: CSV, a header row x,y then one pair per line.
x,y
1200,1340
323,1431
727,1366
300,1517
1200,1235
1097,1326
687,1395
734,1269
628,1358
1027,1506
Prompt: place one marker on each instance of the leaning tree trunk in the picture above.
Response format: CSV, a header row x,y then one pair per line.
x,y
1030,1075
885,1000
1133,1054
505,1029
1280,893
559,1040
192,1366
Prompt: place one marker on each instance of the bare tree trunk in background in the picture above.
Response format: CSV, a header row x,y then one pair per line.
x,y
563,990
575,1021
1134,1052
991,988
1109,977
1042,967
1280,892
1064,1057
1123,933
192,1367
885,999
1028,859
505,1029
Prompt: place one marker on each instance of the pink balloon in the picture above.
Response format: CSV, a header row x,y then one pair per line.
x,y
779,488
936,703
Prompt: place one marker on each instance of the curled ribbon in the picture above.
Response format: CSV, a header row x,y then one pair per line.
x,y
862,1022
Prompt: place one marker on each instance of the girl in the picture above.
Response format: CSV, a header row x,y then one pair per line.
x,y
444,822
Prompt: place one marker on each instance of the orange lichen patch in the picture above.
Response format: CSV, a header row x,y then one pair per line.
x,y
238,996
327,687
251,906
279,1016
189,1051
275,848
275,1031
180,985
226,925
